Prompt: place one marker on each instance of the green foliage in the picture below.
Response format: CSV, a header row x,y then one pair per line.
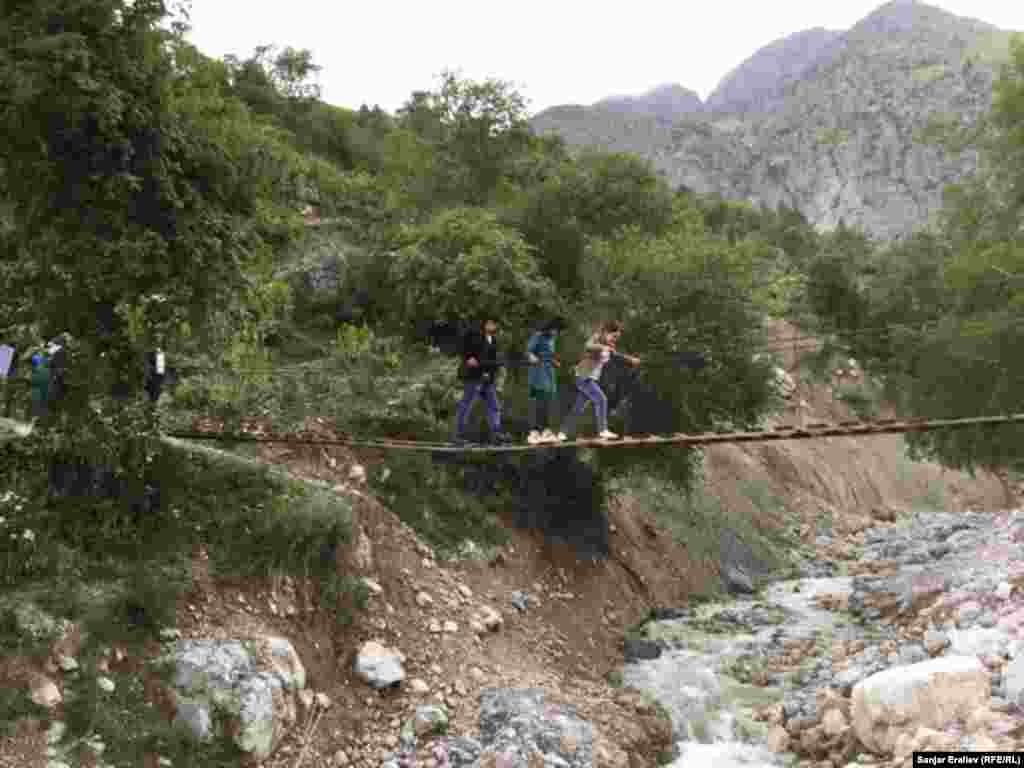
x,y
476,131
594,195
698,296
465,265
433,501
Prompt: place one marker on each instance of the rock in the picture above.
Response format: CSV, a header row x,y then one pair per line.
x,y
423,600
737,581
194,717
379,666
357,473
928,694
44,692
362,556
476,627
339,759
323,701
307,702
636,649
935,641
489,617
1004,590
56,732
465,591
67,663
968,613
978,641
1013,680
834,723
884,514
373,586
105,684
450,627
778,739
281,659
519,600
258,728
430,719
418,686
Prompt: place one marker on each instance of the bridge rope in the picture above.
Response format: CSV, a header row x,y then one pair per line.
x,y
818,430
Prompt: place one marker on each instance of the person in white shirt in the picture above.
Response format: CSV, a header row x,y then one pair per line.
x,y
597,352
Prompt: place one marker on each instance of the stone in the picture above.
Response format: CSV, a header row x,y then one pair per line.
x,y
519,600
67,663
418,686
373,586
44,693
968,613
834,723
489,617
362,556
1004,590
194,717
430,719
339,759
978,641
56,732
105,684
778,739
323,701
1013,680
928,694
423,600
450,627
378,665
935,641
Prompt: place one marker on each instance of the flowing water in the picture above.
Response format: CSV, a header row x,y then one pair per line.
x,y
712,649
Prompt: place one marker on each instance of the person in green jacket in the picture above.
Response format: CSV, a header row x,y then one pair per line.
x,y
40,384
541,380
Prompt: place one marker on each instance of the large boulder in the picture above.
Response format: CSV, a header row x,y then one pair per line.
x,y
251,684
929,694
379,666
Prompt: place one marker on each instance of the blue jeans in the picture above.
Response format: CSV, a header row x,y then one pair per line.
x,y
587,390
471,390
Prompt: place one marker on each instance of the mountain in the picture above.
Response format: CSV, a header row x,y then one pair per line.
x,y
829,125
666,102
758,84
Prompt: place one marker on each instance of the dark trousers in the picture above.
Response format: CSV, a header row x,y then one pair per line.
x,y
471,390
587,391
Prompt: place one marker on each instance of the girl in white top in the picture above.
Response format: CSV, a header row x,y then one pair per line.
x,y
598,351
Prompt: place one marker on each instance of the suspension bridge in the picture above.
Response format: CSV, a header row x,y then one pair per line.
x,y
815,430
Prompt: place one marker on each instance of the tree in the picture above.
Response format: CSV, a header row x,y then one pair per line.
x,y
476,129
131,175
464,265
595,195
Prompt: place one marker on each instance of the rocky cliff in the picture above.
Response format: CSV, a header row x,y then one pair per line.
x,y
666,102
838,134
759,83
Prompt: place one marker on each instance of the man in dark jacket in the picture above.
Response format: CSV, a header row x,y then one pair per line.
x,y
479,373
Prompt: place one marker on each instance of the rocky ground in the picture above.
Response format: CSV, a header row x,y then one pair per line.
x,y
914,642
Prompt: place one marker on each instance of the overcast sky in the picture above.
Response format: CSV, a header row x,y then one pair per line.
x,y
554,51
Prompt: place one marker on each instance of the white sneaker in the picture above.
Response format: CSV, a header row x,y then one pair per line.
x,y
547,436
534,437
608,435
